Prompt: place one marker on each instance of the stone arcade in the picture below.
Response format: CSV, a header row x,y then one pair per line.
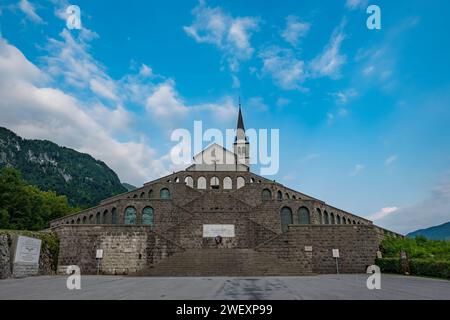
x,y
168,227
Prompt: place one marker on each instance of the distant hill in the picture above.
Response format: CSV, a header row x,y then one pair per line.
x,y
441,232
84,180
128,186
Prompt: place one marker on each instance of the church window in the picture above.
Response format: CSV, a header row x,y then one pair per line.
x,y
164,194
215,183
189,181
279,195
201,183
326,218
266,194
303,216
240,183
148,216
130,215
114,216
286,218
227,183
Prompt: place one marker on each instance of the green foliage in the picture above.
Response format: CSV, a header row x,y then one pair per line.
x,y
25,207
430,268
426,257
84,180
418,248
389,265
49,240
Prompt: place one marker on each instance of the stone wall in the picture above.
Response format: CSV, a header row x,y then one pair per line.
x,y
311,247
126,249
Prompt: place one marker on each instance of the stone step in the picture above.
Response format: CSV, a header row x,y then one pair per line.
x,y
222,262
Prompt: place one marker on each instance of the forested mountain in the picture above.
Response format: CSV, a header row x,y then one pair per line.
x,y
441,232
84,180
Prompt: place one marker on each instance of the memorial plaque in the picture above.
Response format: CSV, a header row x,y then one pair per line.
x,y
214,230
308,248
27,250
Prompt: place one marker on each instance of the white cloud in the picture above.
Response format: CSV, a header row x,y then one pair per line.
x,y
236,82
145,71
258,103
343,97
104,87
164,102
330,61
285,69
357,170
431,211
30,11
231,35
356,4
390,160
384,212
295,30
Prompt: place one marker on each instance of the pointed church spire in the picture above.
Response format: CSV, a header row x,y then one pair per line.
x,y
240,123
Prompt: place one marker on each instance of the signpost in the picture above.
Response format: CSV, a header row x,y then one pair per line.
x,y
336,256
99,256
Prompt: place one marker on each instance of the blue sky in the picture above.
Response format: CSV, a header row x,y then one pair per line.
x,y
363,114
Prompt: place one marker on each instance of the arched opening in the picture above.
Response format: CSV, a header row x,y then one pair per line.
x,y
150,194
114,216
288,196
105,217
177,180
215,183
279,195
240,183
326,218
164,194
189,181
286,218
130,215
266,195
91,219
319,216
332,220
135,196
84,220
201,183
78,221
148,216
252,180
97,218
303,216
344,221
227,183
338,219
142,195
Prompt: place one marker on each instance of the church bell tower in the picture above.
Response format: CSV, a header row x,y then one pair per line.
x,y
241,144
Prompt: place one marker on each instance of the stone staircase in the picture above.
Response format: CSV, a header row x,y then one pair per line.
x,y
222,262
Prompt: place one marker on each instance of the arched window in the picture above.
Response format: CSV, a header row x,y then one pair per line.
x,y
326,218
142,195
344,221
114,216
252,180
72,222
319,216
201,183
266,194
279,195
97,218
150,194
240,183
332,221
105,217
84,220
130,215
78,221
189,181
287,196
286,218
135,196
177,180
227,183
215,183
164,194
303,216
148,216
91,219
354,222
338,219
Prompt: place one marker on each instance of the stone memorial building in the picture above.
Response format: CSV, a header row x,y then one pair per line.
x,y
216,218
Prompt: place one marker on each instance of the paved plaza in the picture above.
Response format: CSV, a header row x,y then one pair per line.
x,y
344,287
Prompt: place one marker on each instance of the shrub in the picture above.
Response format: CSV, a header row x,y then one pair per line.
x,y
430,268
389,265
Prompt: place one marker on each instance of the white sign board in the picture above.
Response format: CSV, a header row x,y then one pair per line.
x,y
99,254
27,250
308,248
214,230
335,253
